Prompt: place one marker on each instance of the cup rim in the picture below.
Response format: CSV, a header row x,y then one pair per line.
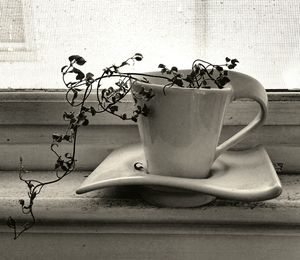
x,y
227,86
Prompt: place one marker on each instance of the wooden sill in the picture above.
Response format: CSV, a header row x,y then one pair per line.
x,y
58,204
116,224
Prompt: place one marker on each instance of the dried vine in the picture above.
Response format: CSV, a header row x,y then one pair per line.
x,y
203,75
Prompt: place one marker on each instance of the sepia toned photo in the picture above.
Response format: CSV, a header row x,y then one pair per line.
x,y
149,129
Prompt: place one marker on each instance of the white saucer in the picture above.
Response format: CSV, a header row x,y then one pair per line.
x,y
246,175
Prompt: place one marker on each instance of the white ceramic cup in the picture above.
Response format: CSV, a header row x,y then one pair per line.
x,y
181,133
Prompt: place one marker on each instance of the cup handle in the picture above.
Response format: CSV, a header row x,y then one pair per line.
x,y
245,86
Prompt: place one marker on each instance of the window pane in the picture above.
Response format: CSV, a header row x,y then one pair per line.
x,y
105,32
11,21
263,34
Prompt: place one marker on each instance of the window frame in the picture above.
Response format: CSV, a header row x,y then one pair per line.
x,y
30,117
24,51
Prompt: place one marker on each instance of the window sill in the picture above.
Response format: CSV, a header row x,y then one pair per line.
x,y
115,224
59,203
